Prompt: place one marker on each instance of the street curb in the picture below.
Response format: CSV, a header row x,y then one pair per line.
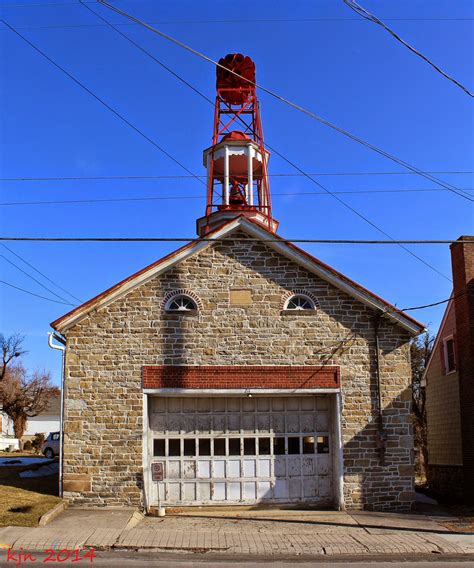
x,y
53,513
135,519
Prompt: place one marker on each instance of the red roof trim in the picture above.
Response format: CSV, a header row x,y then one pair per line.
x,y
58,321
351,282
313,259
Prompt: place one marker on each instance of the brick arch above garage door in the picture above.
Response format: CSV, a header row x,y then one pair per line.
x,y
241,377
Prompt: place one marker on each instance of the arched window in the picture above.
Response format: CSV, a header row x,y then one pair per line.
x,y
180,303
300,300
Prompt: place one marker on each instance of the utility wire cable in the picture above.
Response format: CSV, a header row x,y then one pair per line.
x,y
230,21
142,49
100,100
368,16
220,239
40,273
201,197
361,216
288,102
341,201
154,143
435,303
33,278
33,294
287,174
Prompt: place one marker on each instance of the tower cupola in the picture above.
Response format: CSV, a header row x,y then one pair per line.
x,y
237,161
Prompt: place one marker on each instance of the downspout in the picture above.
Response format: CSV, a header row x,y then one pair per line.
x,y
62,348
381,438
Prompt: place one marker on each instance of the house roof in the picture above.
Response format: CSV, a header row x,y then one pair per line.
x,y
440,334
254,230
54,406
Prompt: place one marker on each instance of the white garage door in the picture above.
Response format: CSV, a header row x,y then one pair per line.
x,y
241,449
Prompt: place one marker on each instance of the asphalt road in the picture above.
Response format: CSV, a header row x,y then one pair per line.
x,y
121,559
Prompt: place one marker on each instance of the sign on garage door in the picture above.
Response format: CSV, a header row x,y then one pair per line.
x,y
242,449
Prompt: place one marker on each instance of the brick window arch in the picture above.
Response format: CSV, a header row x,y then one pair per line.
x,y
181,300
299,299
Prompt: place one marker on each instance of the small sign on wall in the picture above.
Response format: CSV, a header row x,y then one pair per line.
x,y
157,471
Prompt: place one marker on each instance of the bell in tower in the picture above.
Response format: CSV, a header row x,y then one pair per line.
x,y
237,162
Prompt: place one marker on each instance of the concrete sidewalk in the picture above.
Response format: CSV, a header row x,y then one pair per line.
x,y
258,532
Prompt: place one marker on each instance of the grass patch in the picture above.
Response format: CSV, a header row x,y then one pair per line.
x,y
23,500
19,507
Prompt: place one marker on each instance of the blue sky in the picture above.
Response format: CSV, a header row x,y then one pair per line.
x,y
326,58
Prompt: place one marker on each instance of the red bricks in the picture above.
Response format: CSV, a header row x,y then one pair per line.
x,y
240,377
462,257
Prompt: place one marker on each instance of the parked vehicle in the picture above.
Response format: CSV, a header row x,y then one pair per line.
x,y
51,445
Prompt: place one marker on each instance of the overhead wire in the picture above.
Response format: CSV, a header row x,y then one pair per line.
x,y
284,174
33,293
228,21
39,272
372,18
101,101
200,197
33,278
296,106
221,239
340,200
436,303
203,96
392,241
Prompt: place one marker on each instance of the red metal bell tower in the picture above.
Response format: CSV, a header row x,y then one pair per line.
x,y
237,161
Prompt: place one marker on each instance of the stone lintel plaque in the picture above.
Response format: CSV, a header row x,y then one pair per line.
x,y
240,297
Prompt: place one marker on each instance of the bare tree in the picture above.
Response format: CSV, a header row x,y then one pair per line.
x,y
23,396
11,348
420,350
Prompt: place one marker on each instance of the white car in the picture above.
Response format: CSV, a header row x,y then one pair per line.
x,y
51,445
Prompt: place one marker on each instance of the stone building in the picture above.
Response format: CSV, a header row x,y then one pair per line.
x,y
449,382
241,367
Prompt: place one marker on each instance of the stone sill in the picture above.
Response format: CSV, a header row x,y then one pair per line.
x,y
298,313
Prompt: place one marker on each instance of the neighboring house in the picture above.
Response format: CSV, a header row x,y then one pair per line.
x,y
239,368
45,422
6,440
449,381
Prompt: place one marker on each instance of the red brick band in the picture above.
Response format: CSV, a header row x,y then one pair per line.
x,y
240,377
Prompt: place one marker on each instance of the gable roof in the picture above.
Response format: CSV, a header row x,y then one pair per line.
x,y
254,230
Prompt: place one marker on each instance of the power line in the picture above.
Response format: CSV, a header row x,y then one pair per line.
x,y
363,217
288,102
286,174
218,239
143,50
291,163
33,294
200,197
40,273
368,16
106,105
341,201
435,303
33,278
226,21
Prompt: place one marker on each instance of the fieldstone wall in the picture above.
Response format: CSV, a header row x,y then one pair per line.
x,y
108,349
